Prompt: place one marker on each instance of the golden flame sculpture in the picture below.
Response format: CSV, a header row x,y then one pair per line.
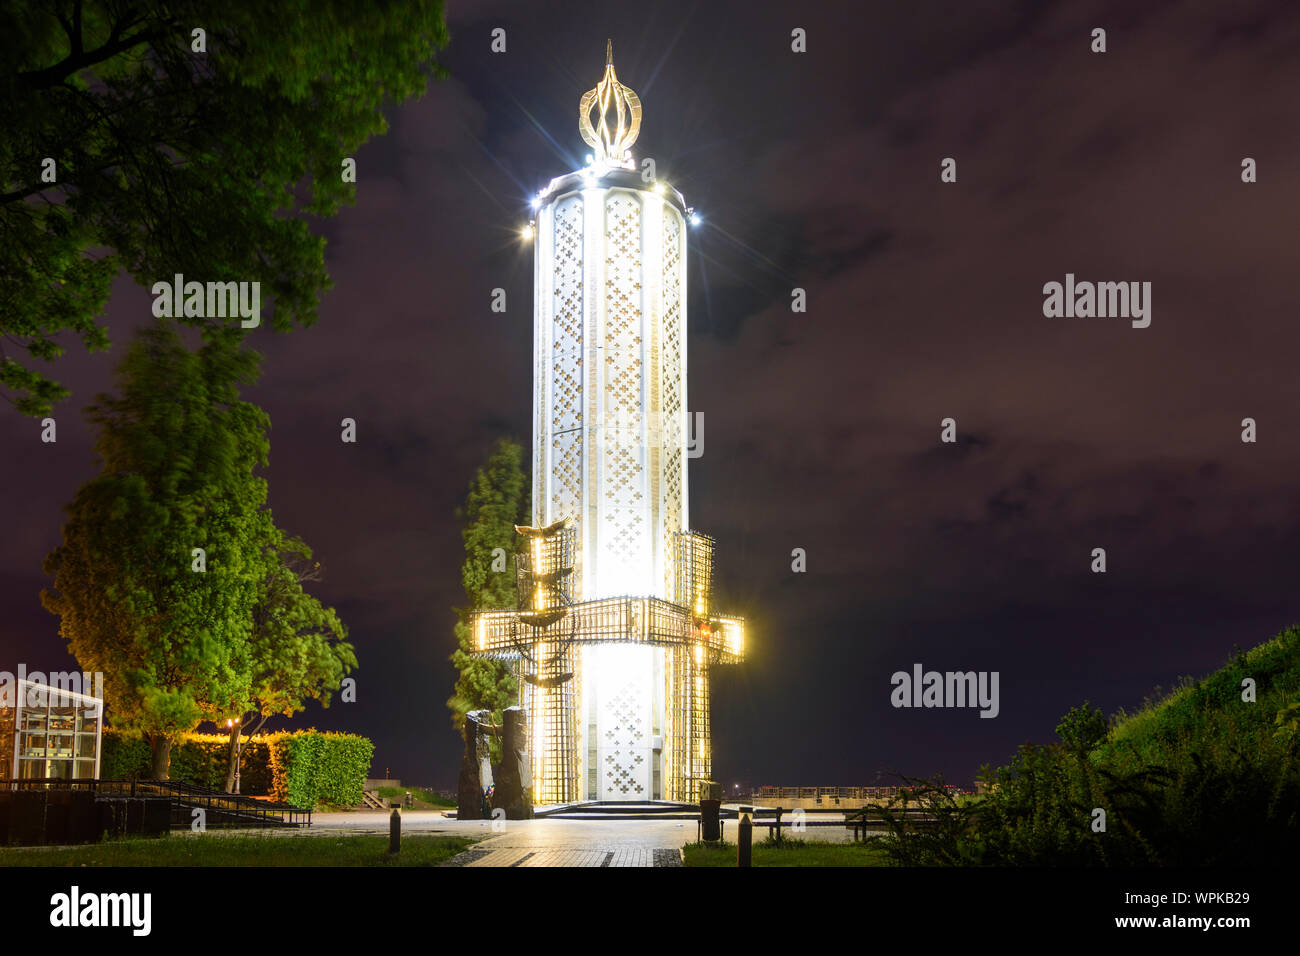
x,y
610,145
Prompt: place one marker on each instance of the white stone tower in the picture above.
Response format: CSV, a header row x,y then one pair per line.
x,y
615,630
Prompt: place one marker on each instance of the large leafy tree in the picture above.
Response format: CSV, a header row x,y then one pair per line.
x,y
168,160
167,626
497,500
298,649
181,637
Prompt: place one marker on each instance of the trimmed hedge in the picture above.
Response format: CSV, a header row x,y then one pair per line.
x,y
198,759
122,757
312,768
304,768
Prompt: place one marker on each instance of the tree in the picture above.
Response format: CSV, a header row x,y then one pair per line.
x,y
159,570
168,159
497,500
298,651
1082,729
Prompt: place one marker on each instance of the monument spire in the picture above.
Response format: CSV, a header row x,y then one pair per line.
x,y
611,145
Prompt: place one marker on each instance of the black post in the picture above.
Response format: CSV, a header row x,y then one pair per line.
x,y
709,820
239,744
395,831
779,811
744,836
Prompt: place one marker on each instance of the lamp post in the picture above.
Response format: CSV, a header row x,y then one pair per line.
x,y
239,743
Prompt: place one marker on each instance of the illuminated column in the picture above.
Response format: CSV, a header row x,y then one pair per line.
x,y
617,712
610,371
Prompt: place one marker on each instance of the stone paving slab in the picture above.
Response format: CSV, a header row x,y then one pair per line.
x,y
553,856
493,853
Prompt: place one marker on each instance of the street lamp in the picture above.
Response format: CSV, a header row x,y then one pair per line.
x,y
239,744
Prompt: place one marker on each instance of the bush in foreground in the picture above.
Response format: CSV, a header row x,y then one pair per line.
x,y
1200,777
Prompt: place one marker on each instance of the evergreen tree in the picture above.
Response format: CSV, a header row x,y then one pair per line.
x,y
498,498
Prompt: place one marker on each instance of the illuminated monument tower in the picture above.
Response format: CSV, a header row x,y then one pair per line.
x,y
615,631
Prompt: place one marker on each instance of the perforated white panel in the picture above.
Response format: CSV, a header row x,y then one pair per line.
x,y
672,419
566,363
624,723
623,533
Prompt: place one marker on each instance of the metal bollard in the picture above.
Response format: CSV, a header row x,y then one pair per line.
x,y
745,837
395,831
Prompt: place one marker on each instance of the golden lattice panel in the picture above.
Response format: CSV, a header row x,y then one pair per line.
x,y
552,721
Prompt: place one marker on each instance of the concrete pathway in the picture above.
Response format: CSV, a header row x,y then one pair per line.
x,y
597,840
544,842
565,856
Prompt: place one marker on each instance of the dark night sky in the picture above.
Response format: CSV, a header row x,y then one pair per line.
x,y
925,300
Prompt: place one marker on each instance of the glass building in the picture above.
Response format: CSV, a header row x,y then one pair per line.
x,y
49,732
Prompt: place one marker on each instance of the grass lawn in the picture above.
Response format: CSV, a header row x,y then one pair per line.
x,y
427,797
239,850
790,853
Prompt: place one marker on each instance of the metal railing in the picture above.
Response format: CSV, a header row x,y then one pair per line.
x,y
220,809
626,620
826,794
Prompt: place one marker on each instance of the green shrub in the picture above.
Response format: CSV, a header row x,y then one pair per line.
x,y
123,757
1198,777
304,768
311,768
198,759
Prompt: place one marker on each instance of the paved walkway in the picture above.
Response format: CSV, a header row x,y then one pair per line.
x,y
553,841
544,842
565,856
